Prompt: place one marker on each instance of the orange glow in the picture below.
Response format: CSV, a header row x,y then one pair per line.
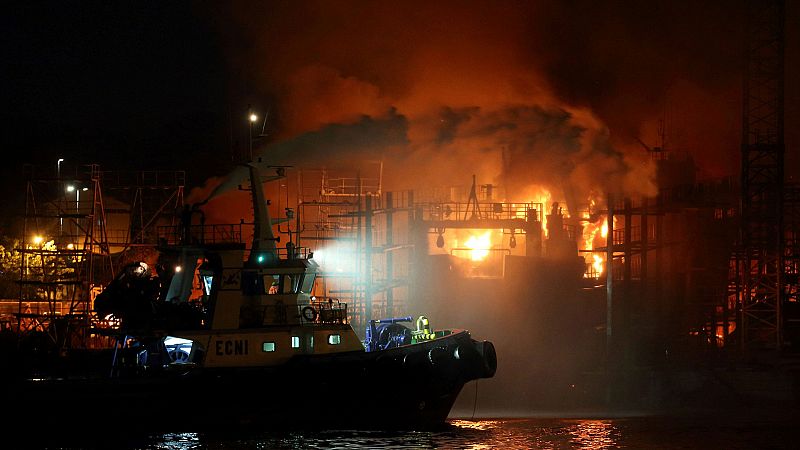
x,y
598,263
591,231
538,194
479,245
480,425
593,434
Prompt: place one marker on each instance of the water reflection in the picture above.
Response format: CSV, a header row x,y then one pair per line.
x,y
543,434
588,434
593,435
475,424
179,441
461,434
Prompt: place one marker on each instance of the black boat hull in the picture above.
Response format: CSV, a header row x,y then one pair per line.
x,y
413,386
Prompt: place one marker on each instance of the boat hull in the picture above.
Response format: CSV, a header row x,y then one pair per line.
x,y
412,386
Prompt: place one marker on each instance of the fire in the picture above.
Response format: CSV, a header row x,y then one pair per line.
x,y
597,265
479,245
590,232
538,194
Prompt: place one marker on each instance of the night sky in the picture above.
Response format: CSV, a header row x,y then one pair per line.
x,y
127,85
166,85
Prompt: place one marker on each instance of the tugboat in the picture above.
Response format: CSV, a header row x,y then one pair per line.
x,y
252,347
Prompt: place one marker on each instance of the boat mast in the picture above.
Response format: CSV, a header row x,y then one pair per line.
x,y
263,250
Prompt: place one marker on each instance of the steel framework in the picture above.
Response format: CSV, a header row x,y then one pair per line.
x,y
355,230
61,264
762,177
69,248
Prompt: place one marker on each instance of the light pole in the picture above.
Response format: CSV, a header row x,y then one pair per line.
x,y
77,190
251,118
58,177
71,188
78,197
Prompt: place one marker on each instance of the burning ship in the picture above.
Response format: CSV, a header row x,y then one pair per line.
x,y
254,348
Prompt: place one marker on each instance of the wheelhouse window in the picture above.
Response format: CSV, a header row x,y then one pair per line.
x,y
307,284
334,339
281,284
291,283
271,282
268,347
208,281
295,341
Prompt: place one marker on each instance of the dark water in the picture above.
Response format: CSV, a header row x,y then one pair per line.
x,y
696,432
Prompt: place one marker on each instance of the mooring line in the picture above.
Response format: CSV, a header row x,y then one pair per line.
x,y
475,401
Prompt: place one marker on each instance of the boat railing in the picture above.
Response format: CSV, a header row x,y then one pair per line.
x,y
462,211
324,310
330,310
292,253
327,310
225,233
216,234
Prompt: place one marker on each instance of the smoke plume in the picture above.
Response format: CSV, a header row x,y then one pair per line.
x,y
519,93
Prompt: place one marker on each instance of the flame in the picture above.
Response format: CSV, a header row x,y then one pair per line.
x,y
590,232
597,265
479,245
538,194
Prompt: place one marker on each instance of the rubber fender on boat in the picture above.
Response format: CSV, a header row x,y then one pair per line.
x,y
469,360
437,356
395,361
466,352
415,361
488,358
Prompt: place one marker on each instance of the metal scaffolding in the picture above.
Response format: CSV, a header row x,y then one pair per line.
x,y
355,231
762,177
148,198
73,237
65,252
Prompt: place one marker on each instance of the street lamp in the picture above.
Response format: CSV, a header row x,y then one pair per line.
x,y
72,188
251,118
58,168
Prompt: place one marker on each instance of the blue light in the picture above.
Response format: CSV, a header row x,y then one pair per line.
x,y
260,258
